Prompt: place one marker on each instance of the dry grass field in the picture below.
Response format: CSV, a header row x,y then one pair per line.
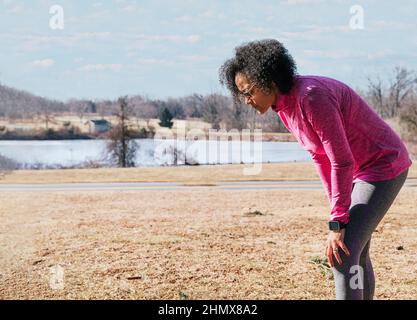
x,y
197,243
58,122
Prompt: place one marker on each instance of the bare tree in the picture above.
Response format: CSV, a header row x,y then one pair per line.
x,y
377,96
106,107
215,109
271,122
239,116
192,105
121,146
77,107
144,108
408,117
45,115
398,100
388,102
401,86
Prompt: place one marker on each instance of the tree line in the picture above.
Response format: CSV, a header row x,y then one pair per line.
x,y
216,109
396,99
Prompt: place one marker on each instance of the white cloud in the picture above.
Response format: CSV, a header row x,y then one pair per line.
x,y
16,9
152,61
177,39
183,19
313,32
183,59
380,54
45,63
192,39
308,32
96,15
32,42
212,14
332,54
348,54
309,2
101,67
391,25
297,2
208,14
169,38
195,58
327,29
128,6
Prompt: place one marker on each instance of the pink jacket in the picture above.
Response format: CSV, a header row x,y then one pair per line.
x,y
347,140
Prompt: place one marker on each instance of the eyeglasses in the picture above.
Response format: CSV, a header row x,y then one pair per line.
x,y
247,93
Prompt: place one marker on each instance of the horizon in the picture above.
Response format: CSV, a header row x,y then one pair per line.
x,y
171,49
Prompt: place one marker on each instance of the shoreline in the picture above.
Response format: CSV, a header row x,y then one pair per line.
x,y
266,137
197,175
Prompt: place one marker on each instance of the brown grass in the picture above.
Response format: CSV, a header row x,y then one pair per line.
x,y
202,242
205,243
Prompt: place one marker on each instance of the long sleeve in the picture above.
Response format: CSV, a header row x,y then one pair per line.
x,y
323,112
323,168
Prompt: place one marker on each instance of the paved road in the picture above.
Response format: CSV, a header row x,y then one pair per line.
x,y
238,185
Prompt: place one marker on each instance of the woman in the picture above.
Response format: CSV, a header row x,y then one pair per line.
x,y
361,161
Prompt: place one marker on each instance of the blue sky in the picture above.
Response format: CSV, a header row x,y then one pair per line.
x,y
173,48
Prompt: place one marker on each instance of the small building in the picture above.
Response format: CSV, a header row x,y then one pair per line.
x,y
99,126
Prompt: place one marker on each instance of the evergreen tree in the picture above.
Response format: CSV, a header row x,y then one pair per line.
x,y
166,118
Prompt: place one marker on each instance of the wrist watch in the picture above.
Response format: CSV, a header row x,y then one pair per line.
x,y
336,225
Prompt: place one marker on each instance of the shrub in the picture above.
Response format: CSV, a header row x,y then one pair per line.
x,y
7,166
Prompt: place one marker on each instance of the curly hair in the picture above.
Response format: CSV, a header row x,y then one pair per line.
x,y
263,62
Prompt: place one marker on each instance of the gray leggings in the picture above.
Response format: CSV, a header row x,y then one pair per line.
x,y
354,279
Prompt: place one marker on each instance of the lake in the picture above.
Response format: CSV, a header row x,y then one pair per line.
x,y
150,152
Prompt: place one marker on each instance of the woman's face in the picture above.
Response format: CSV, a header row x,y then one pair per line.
x,y
258,99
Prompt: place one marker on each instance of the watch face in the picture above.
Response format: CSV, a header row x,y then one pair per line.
x,y
334,225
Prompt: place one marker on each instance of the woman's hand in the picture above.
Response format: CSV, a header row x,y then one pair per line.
x,y
333,243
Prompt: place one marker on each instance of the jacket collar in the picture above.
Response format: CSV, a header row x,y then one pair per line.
x,y
285,101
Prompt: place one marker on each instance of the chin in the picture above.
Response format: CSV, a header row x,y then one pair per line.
x,y
262,111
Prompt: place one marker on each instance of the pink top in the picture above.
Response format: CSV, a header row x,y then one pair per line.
x,y
347,140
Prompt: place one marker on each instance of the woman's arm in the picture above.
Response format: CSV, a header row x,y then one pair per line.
x,y
323,168
323,112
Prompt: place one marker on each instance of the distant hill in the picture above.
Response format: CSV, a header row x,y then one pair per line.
x,y
17,103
